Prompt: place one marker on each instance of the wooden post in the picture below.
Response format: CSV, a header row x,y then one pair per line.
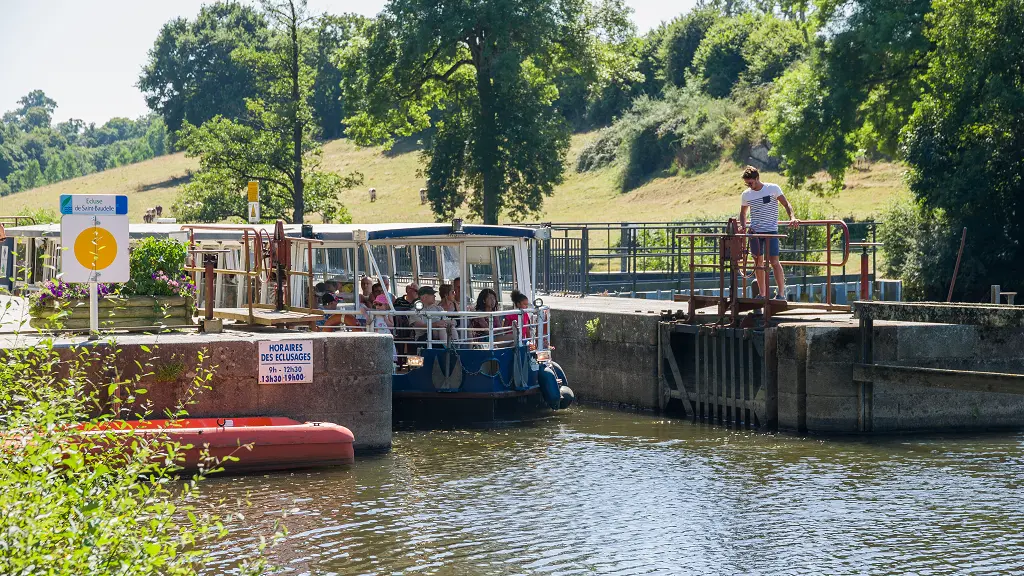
x,y
209,263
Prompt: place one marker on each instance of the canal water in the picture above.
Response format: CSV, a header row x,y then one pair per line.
x,y
599,492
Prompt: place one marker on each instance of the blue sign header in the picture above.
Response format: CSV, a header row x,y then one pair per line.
x,y
95,204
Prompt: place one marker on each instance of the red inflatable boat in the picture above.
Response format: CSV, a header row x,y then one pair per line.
x,y
277,443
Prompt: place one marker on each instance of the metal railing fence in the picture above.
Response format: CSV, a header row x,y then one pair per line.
x,y
630,257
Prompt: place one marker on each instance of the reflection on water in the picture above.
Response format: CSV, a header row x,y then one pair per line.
x,y
597,492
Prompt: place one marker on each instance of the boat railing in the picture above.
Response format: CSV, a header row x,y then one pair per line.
x,y
530,327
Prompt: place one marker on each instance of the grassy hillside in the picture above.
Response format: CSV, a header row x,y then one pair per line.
x,y
589,197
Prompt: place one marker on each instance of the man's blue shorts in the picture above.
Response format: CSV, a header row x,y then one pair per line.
x,y
757,246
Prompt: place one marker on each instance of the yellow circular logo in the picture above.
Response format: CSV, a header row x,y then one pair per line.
x,y
95,248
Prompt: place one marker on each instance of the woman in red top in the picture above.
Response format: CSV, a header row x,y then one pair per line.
x,y
519,302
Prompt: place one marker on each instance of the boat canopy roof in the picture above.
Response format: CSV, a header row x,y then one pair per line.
x,y
328,232
344,232
140,231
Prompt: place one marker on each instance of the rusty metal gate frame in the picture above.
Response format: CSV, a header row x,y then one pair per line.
x,y
719,375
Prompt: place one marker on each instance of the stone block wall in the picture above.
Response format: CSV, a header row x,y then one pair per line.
x,y
817,393
619,365
351,379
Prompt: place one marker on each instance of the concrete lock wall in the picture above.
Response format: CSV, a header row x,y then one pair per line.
x,y
351,379
817,393
618,365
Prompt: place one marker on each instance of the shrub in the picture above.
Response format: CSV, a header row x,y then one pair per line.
x,y
920,247
157,269
92,504
685,129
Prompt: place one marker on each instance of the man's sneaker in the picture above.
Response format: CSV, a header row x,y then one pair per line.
x,y
779,296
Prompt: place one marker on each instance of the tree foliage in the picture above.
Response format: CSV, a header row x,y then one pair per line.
x,y
856,92
965,141
719,59
191,74
34,152
273,142
329,35
486,70
682,38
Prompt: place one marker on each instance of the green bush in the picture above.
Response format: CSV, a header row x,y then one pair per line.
x,y
920,247
685,130
157,268
41,215
92,504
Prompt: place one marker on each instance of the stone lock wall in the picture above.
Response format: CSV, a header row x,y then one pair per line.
x,y
351,379
618,365
817,393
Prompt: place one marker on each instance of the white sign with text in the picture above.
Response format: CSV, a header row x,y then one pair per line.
x,y
286,362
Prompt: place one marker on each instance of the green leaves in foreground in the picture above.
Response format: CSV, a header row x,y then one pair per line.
x,y
89,501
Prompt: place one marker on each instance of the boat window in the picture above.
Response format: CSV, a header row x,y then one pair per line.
x,y
507,272
337,265
404,271
429,271
450,263
480,261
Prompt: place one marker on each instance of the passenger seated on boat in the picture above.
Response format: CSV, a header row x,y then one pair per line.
x,y
419,321
382,324
447,294
365,299
486,301
519,302
330,323
412,294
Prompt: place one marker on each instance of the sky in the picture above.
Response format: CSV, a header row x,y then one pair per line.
x,y
87,54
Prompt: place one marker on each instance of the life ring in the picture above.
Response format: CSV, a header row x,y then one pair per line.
x,y
3,233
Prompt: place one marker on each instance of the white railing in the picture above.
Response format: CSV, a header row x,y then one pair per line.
x,y
456,328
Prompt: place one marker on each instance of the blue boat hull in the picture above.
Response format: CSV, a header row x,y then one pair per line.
x,y
469,386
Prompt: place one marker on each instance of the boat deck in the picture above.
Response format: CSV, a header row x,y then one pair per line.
x,y
265,317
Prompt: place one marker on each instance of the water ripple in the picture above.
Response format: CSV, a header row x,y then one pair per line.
x,y
595,492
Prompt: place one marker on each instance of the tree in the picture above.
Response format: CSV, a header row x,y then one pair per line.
x,y
486,71
329,35
965,141
857,90
190,73
719,60
272,143
682,38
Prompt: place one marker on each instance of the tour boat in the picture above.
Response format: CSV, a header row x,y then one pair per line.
x,y
259,443
475,374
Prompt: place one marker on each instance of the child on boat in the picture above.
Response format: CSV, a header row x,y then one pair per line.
x,y
383,324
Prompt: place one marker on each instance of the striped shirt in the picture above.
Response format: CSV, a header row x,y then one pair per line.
x,y
764,207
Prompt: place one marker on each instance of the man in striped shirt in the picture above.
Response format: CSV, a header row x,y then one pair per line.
x,y
761,201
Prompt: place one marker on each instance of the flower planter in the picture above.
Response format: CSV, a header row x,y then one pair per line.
x,y
131,312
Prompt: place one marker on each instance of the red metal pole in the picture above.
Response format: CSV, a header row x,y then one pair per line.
x,y
828,265
963,238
